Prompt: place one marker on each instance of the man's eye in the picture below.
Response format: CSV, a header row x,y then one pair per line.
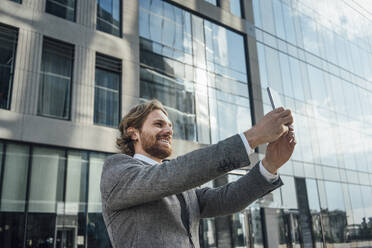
x,y
158,124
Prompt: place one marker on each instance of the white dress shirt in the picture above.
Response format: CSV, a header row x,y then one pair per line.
x,y
265,173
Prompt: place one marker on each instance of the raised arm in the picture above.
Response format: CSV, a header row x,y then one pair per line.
x,y
126,182
234,197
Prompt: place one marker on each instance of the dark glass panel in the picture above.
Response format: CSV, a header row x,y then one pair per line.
x,y
96,229
106,98
109,16
61,8
13,195
55,79
46,207
207,233
8,47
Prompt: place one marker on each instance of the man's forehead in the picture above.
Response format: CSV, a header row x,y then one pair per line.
x,y
159,115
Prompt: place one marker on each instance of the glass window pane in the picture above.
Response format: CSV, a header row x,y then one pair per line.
x,y
61,8
13,194
109,16
8,47
267,16
15,168
97,233
47,176
46,206
335,220
214,2
55,79
235,7
106,98
289,192
75,196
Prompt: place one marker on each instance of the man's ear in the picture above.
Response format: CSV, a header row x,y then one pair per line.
x,y
133,133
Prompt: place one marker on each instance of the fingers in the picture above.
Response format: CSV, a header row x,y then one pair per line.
x,y
287,120
278,110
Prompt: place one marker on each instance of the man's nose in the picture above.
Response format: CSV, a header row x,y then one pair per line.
x,y
169,130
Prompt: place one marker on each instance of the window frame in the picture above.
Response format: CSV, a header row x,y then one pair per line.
x,y
54,2
120,19
12,71
120,73
39,113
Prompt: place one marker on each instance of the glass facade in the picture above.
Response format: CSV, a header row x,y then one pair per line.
x,y
62,8
55,79
107,91
197,69
8,48
318,65
109,16
50,197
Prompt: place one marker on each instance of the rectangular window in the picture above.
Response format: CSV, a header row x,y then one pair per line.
x,y
236,7
107,91
17,1
109,16
214,2
55,79
8,47
62,8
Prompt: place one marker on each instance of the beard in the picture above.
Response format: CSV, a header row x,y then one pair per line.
x,y
150,145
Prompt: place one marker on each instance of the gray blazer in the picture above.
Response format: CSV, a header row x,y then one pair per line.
x,y
139,202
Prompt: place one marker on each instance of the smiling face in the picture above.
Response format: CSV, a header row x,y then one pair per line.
x,y
154,140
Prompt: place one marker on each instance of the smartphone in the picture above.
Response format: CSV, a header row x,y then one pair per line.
x,y
274,98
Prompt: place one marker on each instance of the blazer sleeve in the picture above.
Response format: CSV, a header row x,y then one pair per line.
x,y
236,196
125,182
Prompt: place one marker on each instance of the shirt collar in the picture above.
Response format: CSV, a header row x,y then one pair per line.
x,y
145,159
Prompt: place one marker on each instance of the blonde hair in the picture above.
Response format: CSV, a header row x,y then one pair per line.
x,y
135,118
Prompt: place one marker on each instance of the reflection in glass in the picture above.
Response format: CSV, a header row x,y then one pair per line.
x,y
255,226
207,233
214,2
334,218
55,79
314,207
109,16
181,54
289,192
74,219
45,195
239,231
63,8
96,229
358,228
177,96
235,7
13,194
8,47
107,91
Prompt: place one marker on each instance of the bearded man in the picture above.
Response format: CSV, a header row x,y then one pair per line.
x,y
149,202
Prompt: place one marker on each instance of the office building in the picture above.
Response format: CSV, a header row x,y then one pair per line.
x,y
70,70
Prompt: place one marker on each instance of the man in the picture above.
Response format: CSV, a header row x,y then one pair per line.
x,y
148,202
